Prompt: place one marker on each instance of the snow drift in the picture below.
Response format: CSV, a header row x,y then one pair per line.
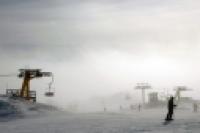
x,y
17,108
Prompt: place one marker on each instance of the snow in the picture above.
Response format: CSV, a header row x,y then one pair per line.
x,y
11,109
18,116
146,121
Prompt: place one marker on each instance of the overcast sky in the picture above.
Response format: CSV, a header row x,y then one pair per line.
x,y
97,47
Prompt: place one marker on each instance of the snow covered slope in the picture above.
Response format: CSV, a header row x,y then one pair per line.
x,y
146,121
12,109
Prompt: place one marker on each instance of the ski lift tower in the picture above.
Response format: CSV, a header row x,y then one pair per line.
x,y
28,75
178,90
143,87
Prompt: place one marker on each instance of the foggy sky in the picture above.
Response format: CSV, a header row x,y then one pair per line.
x,y
102,46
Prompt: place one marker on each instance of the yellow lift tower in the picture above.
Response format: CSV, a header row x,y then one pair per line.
x,y
28,75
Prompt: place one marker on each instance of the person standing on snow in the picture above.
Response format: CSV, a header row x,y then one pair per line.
x,y
195,107
170,109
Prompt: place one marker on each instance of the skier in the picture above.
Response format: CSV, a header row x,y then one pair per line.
x,y
170,109
120,108
195,107
139,107
105,109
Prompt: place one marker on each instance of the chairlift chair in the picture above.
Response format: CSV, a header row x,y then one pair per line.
x,y
50,93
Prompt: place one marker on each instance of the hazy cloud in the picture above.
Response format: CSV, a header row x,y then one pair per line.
x,y
102,39
93,24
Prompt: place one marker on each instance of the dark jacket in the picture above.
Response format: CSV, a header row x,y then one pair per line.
x,y
171,105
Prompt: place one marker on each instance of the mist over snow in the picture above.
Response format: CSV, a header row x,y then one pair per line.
x,y
99,48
